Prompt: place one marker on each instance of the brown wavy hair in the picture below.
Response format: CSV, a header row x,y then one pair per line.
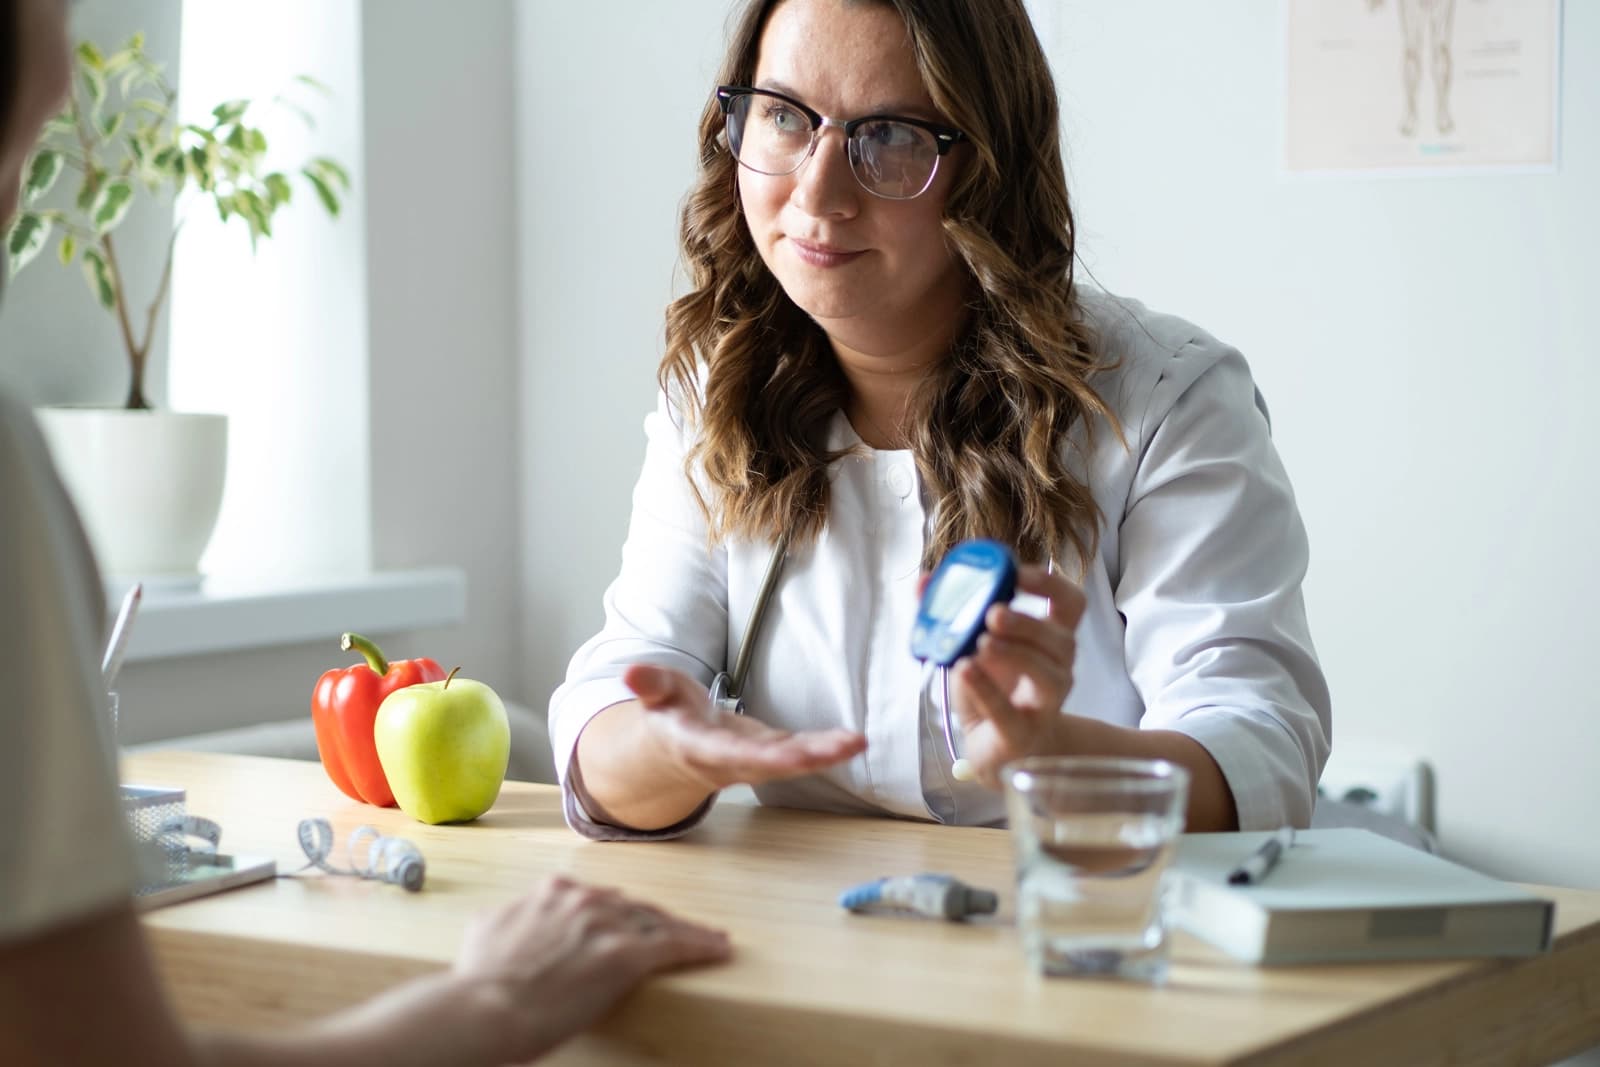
x,y
991,426
10,30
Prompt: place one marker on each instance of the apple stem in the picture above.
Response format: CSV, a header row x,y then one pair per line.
x,y
446,684
362,645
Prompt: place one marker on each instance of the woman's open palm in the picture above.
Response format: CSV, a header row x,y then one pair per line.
x,y
718,748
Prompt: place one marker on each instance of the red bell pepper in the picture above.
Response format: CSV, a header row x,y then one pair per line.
x,y
344,706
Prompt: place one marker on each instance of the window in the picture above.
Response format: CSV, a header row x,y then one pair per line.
x,y
278,341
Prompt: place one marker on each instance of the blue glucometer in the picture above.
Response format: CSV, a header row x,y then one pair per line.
x,y
972,575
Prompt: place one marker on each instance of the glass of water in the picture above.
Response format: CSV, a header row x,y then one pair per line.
x,y
1093,837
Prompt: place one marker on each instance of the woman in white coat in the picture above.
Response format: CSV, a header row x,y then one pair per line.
x,y
885,351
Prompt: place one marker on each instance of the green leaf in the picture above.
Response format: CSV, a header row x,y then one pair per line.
x,y
330,171
98,275
111,206
136,42
199,168
306,79
61,124
28,235
256,142
200,131
42,174
235,138
69,246
225,207
278,188
95,83
153,74
92,180
155,107
324,193
229,112
111,124
256,210
305,116
90,56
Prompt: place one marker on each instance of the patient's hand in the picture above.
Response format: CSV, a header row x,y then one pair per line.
x,y
556,959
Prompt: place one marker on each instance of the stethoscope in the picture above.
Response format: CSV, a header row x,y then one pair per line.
x,y
725,687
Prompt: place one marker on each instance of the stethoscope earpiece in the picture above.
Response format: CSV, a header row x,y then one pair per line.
x,y
723,697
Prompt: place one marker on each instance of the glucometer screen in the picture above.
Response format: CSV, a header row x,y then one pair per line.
x,y
959,585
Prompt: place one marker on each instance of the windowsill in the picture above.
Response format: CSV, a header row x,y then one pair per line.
x,y
222,616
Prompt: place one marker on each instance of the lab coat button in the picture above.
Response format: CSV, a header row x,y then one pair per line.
x,y
899,480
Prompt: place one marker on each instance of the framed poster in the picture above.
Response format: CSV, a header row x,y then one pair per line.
x,y
1422,85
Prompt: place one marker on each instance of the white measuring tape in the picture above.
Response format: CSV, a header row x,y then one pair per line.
x,y
388,859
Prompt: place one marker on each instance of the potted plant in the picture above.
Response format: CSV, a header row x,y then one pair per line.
x,y
149,483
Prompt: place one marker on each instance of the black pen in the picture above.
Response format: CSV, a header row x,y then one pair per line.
x,y
1263,859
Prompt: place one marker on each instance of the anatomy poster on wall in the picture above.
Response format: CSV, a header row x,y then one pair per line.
x,y
1406,85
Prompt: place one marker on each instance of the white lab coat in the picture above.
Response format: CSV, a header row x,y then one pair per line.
x,y
1195,620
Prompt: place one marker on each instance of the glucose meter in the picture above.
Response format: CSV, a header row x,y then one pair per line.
x,y
973,575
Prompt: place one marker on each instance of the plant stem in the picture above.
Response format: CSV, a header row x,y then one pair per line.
x,y
161,294
136,355
136,400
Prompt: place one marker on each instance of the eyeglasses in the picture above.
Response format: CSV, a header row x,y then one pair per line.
x,y
891,157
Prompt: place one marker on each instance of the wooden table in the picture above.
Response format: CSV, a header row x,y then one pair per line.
x,y
811,983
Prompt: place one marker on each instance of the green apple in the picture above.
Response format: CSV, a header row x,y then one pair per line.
x,y
444,747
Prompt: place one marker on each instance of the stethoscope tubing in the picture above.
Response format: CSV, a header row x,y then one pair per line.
x,y
949,732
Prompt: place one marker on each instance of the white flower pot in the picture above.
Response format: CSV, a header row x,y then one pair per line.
x,y
147,483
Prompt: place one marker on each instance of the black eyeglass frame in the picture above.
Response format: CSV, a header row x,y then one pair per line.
x,y
944,137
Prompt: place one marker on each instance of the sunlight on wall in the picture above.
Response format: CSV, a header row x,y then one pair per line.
x,y
278,340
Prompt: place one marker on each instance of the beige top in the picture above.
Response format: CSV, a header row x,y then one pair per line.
x,y
64,845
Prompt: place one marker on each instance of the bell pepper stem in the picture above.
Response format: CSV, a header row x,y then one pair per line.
x,y
447,680
362,645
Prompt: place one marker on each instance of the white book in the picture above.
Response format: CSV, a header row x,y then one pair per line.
x,y
1344,894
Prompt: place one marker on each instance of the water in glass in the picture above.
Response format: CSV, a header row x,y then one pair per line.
x,y
1093,838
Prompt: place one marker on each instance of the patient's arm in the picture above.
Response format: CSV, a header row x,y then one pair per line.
x,y
530,973
84,993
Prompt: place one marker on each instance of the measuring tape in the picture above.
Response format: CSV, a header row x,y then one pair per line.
x,y
388,859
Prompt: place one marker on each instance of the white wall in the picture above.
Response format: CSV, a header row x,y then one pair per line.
x,y
441,270
598,245
1420,343
1418,339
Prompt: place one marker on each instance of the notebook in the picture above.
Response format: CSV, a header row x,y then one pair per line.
x,y
1347,894
206,873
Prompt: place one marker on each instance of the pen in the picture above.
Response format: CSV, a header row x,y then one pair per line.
x,y
117,646
1263,859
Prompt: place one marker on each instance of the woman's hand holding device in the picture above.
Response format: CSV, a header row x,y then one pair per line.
x,y
1007,694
